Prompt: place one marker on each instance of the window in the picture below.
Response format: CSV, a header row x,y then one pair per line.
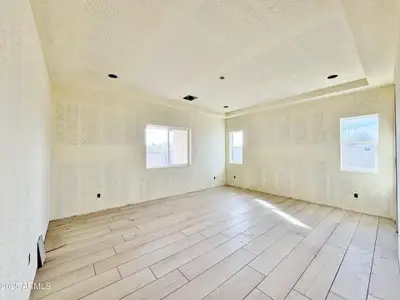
x,y
166,146
236,147
359,138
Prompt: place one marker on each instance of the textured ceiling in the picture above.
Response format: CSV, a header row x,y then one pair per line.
x,y
265,49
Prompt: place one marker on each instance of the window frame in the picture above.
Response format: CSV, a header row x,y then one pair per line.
x,y
169,128
231,133
355,169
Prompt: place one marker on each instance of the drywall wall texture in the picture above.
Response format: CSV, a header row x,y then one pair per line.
x,y
294,151
25,147
99,147
397,99
397,95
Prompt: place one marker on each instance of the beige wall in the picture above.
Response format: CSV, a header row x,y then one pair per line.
x,y
24,144
294,151
99,147
397,95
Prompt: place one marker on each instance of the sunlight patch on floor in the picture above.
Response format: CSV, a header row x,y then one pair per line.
x,y
284,215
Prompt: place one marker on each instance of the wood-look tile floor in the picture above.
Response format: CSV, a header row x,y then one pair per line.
x,y
222,243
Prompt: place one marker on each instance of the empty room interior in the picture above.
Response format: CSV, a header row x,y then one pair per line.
x,y
199,149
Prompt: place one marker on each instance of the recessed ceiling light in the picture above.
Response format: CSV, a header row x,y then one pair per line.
x,y
221,77
332,76
190,98
113,76
226,106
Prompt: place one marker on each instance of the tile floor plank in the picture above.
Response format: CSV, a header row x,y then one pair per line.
x,y
238,286
294,295
343,234
271,257
317,237
46,274
219,218
256,294
179,259
267,239
264,215
86,287
316,281
272,221
151,258
282,279
385,277
207,282
311,221
126,256
353,277
333,296
138,240
63,281
110,239
68,256
209,259
123,287
221,243
159,288
211,231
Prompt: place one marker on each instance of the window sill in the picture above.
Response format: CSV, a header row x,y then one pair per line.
x,y
169,167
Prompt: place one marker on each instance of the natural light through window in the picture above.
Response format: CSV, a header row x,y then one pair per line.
x,y
282,214
359,139
291,219
167,146
266,204
236,147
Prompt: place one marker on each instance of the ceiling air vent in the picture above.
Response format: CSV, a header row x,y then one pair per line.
x,y
190,98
